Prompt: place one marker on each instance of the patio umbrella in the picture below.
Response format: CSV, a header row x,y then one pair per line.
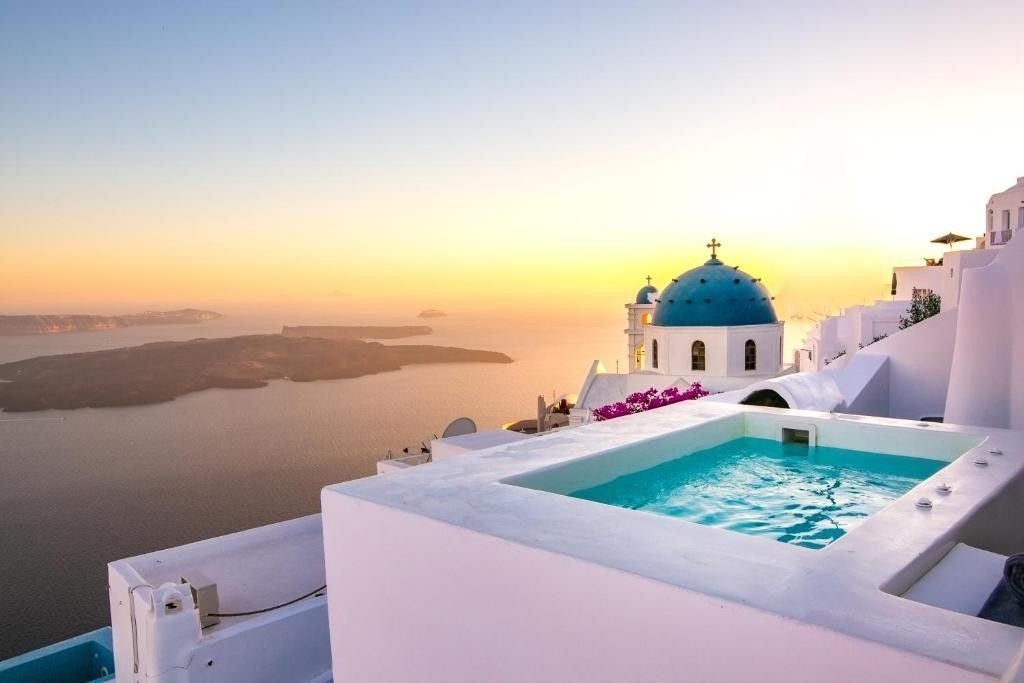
x,y
949,239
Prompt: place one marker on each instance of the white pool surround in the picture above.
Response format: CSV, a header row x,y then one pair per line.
x,y
472,534
604,466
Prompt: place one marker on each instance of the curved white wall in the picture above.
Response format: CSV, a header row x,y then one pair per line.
x,y
802,391
919,362
986,385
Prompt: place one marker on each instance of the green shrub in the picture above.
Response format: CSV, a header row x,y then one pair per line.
x,y
924,304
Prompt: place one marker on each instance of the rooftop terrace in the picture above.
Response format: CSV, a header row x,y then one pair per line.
x,y
559,586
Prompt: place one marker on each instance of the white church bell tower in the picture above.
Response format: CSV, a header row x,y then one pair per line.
x,y
639,314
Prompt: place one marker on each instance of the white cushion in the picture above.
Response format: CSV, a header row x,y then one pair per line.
x,y
961,581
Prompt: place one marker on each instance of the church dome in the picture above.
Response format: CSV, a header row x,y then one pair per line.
x,y
714,295
646,294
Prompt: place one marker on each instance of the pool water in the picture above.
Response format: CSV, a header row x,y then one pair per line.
x,y
807,496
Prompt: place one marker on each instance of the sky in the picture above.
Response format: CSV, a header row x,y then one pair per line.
x,y
490,157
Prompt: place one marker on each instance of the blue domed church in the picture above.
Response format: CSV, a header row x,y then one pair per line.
x,y
713,324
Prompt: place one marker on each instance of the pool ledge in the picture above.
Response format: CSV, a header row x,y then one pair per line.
x,y
851,587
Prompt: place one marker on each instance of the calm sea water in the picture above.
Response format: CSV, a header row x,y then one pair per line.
x,y
81,488
804,496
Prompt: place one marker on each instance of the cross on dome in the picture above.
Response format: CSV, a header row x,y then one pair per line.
x,y
648,279
713,245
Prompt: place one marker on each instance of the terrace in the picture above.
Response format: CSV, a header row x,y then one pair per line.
x,y
518,577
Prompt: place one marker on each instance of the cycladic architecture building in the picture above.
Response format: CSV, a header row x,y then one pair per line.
x,y
638,316
859,326
964,365
1004,214
714,325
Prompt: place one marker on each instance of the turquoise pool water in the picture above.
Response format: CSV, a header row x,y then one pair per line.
x,y
807,496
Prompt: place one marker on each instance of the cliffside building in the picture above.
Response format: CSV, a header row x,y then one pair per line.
x,y
713,324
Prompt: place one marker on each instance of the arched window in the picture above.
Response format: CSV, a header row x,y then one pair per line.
x,y
638,356
645,319
654,353
697,356
750,355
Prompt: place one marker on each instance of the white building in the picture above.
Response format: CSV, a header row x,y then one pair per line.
x,y
858,326
1003,213
943,276
638,316
714,325
853,329
959,366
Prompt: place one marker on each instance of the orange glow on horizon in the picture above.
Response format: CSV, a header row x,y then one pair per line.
x,y
550,192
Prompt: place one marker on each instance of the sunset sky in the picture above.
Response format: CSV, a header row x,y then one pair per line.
x,y
469,156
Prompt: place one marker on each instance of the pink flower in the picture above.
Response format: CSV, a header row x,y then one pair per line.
x,y
640,401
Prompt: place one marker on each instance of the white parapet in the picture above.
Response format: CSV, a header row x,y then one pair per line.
x,y
517,582
157,629
441,449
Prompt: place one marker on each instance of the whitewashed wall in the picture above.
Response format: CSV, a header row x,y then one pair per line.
x,y
724,353
944,280
418,599
854,327
987,376
919,362
635,315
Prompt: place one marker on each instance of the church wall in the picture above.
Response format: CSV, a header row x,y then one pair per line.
x,y
724,352
768,339
676,344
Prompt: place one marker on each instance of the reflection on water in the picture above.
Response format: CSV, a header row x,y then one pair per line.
x,y
794,494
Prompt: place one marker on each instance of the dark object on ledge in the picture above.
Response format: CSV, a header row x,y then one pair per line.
x,y
1013,575
1001,606
1006,603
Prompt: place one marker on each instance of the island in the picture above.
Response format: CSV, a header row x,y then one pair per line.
x,y
355,331
17,325
162,371
432,313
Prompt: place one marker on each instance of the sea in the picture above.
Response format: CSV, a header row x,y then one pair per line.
x,y
81,488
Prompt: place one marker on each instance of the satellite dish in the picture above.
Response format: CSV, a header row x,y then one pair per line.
x,y
462,425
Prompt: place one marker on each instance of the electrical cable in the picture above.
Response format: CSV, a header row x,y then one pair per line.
x,y
319,591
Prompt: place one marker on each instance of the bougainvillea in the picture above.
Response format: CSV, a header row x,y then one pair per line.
x,y
647,400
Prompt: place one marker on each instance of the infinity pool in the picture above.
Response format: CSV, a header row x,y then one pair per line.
x,y
807,496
